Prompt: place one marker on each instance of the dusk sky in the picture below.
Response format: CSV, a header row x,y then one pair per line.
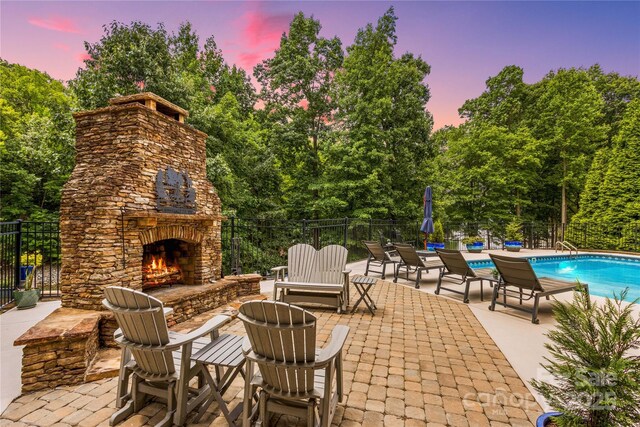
x,y
464,42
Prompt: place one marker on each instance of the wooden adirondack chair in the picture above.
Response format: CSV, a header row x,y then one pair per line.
x,y
317,277
293,378
158,361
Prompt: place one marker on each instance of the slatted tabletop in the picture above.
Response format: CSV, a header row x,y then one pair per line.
x,y
226,351
364,280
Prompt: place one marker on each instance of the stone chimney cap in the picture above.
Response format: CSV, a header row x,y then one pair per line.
x,y
154,102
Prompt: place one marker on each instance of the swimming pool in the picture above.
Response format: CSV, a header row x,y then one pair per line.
x,y
605,274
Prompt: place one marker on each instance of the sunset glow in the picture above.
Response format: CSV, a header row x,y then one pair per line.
x,y
464,42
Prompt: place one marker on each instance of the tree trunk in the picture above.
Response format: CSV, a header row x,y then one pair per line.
x,y
316,194
564,192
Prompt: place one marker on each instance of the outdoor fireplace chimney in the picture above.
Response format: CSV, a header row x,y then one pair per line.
x,y
139,179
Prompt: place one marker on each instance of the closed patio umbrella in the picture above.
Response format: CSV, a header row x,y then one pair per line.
x,y
427,221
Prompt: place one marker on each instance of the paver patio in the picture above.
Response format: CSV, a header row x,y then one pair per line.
x,y
422,360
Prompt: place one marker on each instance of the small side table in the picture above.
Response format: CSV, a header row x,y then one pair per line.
x,y
225,355
363,284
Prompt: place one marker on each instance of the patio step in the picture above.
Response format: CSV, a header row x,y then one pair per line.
x,y
105,364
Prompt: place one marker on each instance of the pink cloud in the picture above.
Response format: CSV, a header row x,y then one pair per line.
x,y
249,59
62,46
260,36
84,56
55,23
261,28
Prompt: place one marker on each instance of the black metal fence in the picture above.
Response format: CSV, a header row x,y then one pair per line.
x,y
29,248
257,245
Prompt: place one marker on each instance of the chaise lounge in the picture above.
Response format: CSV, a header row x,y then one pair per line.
x,y
455,265
378,257
518,273
412,263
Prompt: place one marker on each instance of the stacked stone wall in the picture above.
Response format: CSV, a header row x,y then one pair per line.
x,y
50,358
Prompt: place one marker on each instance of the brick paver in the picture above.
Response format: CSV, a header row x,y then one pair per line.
x,y
421,360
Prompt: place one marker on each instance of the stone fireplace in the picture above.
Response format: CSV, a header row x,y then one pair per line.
x,y
138,210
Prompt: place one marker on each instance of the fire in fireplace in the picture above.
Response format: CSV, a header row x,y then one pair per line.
x,y
167,262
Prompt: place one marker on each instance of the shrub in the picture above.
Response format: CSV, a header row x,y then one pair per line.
x,y
514,230
472,239
596,380
31,258
438,232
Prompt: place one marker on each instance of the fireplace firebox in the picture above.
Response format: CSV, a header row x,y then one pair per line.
x,y
168,262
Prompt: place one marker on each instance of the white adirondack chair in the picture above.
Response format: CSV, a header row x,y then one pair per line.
x,y
158,361
293,378
311,276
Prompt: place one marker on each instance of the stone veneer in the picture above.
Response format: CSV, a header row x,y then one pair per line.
x,y
109,208
59,349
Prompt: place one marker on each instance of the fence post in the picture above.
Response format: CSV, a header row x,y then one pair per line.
x,y
370,229
304,231
346,227
18,253
531,234
233,227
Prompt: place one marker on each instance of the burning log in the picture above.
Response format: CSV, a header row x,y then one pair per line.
x,y
158,273
161,279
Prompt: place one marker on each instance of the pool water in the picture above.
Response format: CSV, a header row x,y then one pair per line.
x,y
605,274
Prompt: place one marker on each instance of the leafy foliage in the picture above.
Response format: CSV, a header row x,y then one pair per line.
x,y
36,141
438,232
343,134
612,192
296,88
514,230
383,127
596,379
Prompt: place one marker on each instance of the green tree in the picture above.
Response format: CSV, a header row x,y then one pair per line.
x,y
503,103
486,172
296,89
376,168
238,164
565,118
619,197
36,142
134,58
616,92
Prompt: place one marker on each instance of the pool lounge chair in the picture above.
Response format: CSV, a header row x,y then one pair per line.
x,y
378,257
518,273
412,263
456,265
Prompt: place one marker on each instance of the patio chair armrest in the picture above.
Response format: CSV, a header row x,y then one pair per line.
x,y
279,271
209,326
338,338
